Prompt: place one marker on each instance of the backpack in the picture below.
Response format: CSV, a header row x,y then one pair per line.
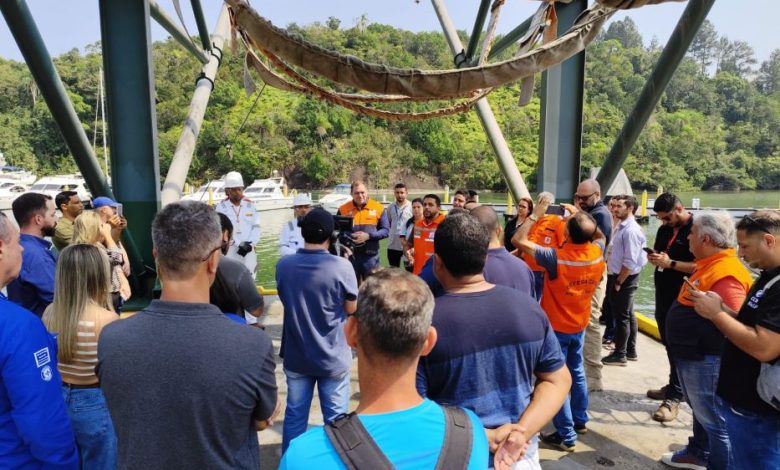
x,y
768,383
358,450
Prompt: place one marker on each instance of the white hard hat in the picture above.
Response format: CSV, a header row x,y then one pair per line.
x,y
233,180
302,200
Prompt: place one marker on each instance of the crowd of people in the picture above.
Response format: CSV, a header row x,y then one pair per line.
x,y
472,341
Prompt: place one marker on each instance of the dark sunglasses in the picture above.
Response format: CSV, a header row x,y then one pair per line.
x,y
583,198
758,223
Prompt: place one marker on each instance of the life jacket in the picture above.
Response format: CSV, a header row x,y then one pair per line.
x,y
422,237
546,232
712,269
566,298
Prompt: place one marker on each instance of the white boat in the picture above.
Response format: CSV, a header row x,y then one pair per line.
x,y
53,185
9,190
17,175
202,194
340,194
269,194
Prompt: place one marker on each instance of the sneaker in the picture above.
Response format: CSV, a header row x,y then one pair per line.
x,y
555,440
614,359
632,356
580,428
657,393
667,411
683,459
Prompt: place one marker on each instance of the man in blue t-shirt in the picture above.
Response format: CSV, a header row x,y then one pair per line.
x,y
494,341
318,291
390,331
35,431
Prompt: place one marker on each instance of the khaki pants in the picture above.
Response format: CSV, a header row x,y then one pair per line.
x,y
592,349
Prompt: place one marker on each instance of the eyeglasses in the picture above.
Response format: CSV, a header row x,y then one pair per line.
x,y
584,198
757,223
226,244
205,258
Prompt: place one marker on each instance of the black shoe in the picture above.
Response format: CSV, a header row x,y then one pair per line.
x,y
632,357
554,440
657,394
580,428
614,359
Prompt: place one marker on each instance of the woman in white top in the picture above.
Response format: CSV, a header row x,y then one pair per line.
x,y
81,308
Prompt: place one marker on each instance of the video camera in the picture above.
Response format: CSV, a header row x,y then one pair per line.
x,y
342,234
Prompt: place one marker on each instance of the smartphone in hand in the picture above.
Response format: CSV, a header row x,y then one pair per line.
x,y
119,210
556,209
690,284
649,251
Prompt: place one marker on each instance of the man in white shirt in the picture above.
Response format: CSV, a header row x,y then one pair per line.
x,y
398,213
291,238
246,223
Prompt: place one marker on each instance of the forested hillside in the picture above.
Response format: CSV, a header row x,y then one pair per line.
x,y
717,126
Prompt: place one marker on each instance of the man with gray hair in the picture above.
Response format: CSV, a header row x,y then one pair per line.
x,y
390,331
167,370
695,344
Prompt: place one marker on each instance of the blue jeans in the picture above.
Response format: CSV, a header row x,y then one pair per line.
x,y
755,438
699,379
334,400
95,437
574,410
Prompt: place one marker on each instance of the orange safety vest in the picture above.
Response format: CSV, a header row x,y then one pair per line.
x,y
546,232
712,269
566,299
368,215
422,238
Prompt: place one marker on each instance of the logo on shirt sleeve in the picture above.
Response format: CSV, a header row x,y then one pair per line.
x,y
46,374
42,357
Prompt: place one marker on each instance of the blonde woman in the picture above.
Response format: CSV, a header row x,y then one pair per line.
x,y
81,308
90,229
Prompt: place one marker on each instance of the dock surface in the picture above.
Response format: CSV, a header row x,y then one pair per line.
x,y
622,433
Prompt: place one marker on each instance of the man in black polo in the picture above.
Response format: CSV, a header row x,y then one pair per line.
x,y
672,260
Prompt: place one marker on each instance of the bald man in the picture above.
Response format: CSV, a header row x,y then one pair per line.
x,y
588,199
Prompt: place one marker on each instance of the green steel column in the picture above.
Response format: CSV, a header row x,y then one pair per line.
x,y
484,7
176,31
132,123
659,78
510,38
560,133
197,10
30,42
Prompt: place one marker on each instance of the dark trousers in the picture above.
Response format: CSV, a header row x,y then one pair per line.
x,y
663,301
621,305
394,257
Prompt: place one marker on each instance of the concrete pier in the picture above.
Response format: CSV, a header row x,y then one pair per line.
x,y
622,434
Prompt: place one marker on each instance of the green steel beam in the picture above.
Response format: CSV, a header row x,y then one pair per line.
x,y
510,38
175,30
484,7
203,30
560,133
30,42
127,60
694,15
35,54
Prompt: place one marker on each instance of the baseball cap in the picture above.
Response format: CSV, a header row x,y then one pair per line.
x,y
102,201
316,226
302,200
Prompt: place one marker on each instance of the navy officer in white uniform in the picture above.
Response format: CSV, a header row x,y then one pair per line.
x,y
246,222
291,238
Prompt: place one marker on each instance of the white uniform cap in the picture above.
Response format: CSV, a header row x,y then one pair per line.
x,y
302,200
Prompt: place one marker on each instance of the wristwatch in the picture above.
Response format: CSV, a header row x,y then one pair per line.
x,y
533,218
673,264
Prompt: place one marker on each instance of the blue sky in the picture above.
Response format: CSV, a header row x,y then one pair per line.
x,y
65,24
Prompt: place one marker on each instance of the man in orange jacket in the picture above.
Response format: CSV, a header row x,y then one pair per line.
x,y
369,225
573,271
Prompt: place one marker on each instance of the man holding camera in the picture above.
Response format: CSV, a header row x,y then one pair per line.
x,y
369,225
245,220
318,291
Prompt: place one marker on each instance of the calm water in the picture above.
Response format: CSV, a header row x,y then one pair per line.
x,y
272,222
